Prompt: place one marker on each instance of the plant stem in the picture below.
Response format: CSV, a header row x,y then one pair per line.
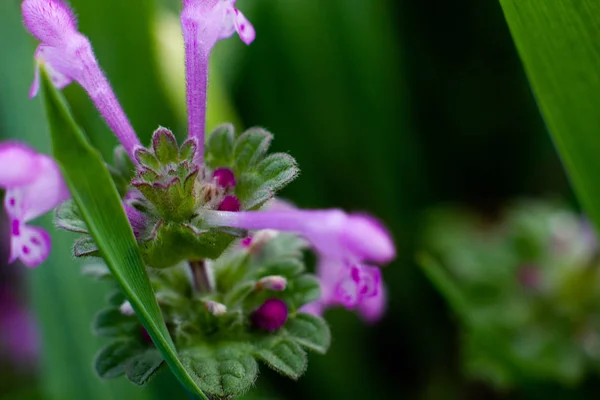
x,y
201,276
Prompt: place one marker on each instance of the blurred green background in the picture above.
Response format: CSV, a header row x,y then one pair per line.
x,y
391,107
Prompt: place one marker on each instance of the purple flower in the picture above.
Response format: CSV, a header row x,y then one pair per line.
x,y
271,315
19,335
204,22
68,56
333,233
344,242
34,186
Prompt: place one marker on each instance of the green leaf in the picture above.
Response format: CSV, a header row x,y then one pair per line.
x,y
123,164
69,218
97,271
85,247
111,360
558,44
306,289
277,170
116,297
310,331
111,322
165,146
250,148
228,371
187,150
283,355
146,158
141,368
219,149
98,200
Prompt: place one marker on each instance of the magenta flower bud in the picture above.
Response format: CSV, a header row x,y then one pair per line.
x,y
67,56
224,177
275,283
34,186
271,315
230,203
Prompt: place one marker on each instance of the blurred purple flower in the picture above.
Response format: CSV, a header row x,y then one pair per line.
x,y
19,339
34,186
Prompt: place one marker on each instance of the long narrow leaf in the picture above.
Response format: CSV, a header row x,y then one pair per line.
x,y
95,194
559,43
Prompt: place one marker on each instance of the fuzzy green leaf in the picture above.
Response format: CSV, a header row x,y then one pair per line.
x,y
305,289
277,170
111,322
283,355
111,360
309,331
85,247
225,372
187,151
250,148
69,218
141,368
219,149
558,44
94,193
147,159
123,164
165,146
97,271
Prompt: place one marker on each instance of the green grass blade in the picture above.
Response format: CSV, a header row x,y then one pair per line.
x,y
559,43
95,194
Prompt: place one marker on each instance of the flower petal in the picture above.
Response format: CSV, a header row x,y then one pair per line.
x,y
50,21
372,309
52,58
244,28
19,165
31,245
42,195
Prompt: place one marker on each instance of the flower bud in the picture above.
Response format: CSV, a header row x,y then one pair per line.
x,y
271,315
224,177
126,309
230,203
216,309
275,282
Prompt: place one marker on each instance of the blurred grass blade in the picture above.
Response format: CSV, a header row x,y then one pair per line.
x,y
95,194
558,42
445,284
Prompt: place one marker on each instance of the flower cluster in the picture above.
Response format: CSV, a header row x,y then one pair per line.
x,y
189,203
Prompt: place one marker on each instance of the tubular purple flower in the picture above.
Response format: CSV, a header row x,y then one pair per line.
x,y
67,55
204,22
337,235
34,186
344,242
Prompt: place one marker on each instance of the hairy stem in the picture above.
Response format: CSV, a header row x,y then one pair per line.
x,y
201,276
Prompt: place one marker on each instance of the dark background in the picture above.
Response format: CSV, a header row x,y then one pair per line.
x,y
389,106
